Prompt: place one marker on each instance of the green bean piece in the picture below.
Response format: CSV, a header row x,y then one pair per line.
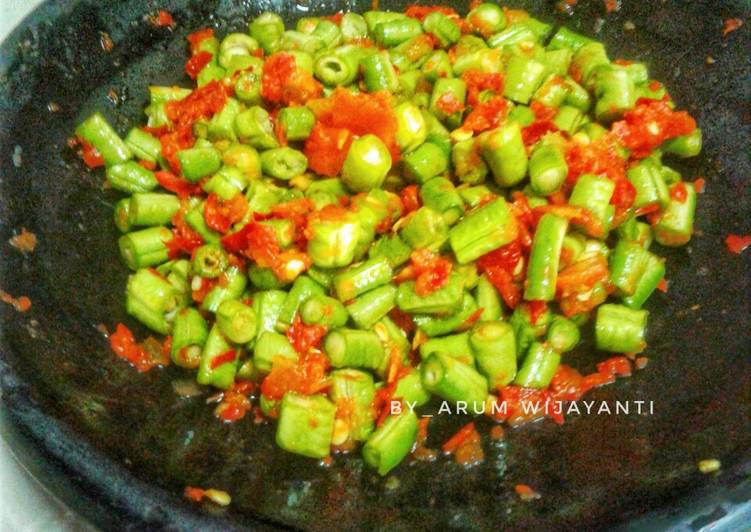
x,y
232,286
209,373
221,125
333,69
267,28
150,208
236,45
482,230
283,163
189,334
353,392
329,33
619,329
306,424
144,248
565,38
514,34
469,166
194,218
488,300
333,242
615,92
649,184
558,61
302,289
425,228
563,334
425,162
474,195
523,77
539,366
366,165
355,348
443,301
593,193
455,345
361,278
319,309
353,27
454,381
503,151
143,145
196,163
636,231
378,73
151,299
296,122
245,159
254,127
439,325
268,305
367,309
393,32
411,127
269,346
676,222
99,133
525,331
445,30
628,262
486,19
494,347
552,92
391,442
409,389
588,59
568,119
544,258
392,248
392,338
209,261
447,94
121,215
265,278
437,65
654,272
237,321
209,73
248,83
412,53
227,183
547,169
131,177
176,272
684,146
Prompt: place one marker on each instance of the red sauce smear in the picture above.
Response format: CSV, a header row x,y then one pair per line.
x,y
410,196
729,25
487,115
184,238
623,198
223,358
91,157
180,186
542,125
283,83
164,19
402,319
499,266
175,141
124,345
305,337
465,445
306,376
21,304
599,157
699,185
203,102
25,241
420,12
421,451
196,37
259,243
429,270
235,403
678,192
196,63
221,214
526,493
342,115
194,494
662,286
649,124
449,104
737,243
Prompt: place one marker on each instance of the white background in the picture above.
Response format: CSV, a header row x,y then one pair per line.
x,y
25,506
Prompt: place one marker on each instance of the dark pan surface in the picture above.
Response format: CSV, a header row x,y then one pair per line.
x,y
122,446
